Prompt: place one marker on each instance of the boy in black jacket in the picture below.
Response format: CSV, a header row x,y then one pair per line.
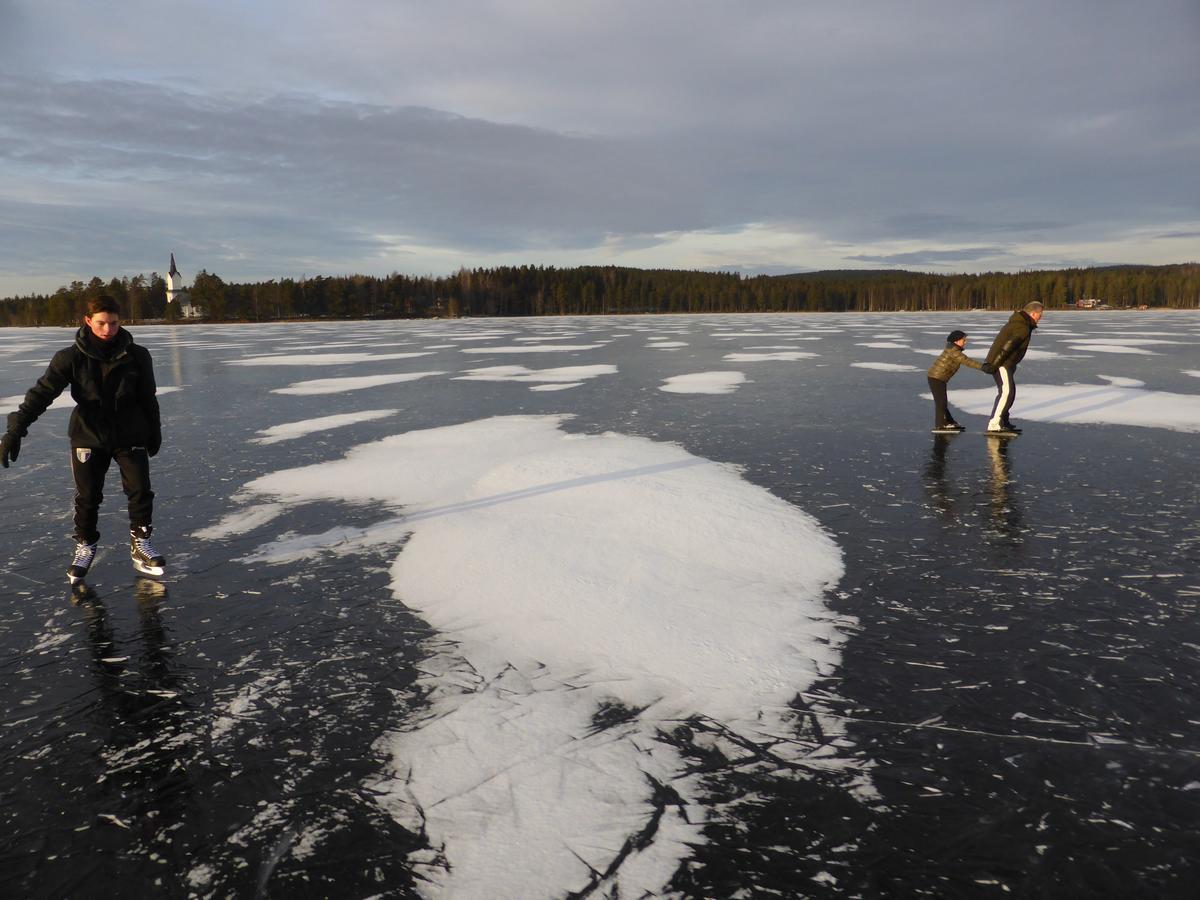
x,y
115,418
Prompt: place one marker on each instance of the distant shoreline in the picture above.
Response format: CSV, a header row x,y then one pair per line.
x,y
524,291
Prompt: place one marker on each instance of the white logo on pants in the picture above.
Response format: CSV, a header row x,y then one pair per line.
x,y
83,454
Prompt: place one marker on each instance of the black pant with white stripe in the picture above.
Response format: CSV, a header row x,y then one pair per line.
x,y
89,468
1006,393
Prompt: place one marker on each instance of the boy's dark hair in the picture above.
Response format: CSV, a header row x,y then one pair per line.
x,y
103,303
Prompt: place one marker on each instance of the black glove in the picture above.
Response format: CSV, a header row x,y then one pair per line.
x,y
10,447
154,445
987,369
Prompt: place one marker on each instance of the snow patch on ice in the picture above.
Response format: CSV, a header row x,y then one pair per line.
x,y
1195,373
1109,404
780,356
241,521
292,430
1124,341
884,345
352,383
1121,381
704,383
533,348
321,359
1111,348
613,586
885,367
565,375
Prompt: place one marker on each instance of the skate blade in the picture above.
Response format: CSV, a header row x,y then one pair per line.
x,y
150,571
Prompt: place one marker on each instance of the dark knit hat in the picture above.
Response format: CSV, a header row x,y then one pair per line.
x,y
955,335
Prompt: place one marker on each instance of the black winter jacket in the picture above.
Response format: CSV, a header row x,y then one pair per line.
x,y
1013,340
112,384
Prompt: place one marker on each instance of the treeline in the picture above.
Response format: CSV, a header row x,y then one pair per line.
x,y
595,290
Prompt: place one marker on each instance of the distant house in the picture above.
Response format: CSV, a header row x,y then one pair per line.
x,y
177,294
1089,303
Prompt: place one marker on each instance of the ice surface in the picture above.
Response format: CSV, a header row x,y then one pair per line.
x,y
715,609
65,401
980,353
703,383
1019,636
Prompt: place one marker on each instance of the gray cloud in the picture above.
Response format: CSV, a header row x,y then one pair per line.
x,y
281,143
932,257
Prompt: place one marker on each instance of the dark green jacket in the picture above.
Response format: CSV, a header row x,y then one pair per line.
x,y
113,387
1011,343
947,364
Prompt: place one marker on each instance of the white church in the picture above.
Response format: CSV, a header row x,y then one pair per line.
x,y
177,294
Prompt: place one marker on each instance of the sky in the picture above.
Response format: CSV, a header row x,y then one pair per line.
x,y
275,139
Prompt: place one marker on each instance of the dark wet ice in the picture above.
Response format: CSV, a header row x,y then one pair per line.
x,y
1016,708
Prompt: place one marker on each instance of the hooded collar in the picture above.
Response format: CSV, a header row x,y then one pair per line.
x,y
104,351
1019,315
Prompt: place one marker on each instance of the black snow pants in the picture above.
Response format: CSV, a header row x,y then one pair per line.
x,y
941,410
89,468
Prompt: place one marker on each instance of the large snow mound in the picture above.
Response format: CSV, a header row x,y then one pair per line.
x,y
574,574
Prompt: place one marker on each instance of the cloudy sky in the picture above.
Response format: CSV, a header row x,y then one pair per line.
x,y
269,139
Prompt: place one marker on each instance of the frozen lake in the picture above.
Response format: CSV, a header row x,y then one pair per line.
x,y
686,605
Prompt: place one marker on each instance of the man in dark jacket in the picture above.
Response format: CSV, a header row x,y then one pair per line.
x,y
1007,352
115,418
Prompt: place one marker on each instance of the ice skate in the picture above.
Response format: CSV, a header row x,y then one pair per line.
x,y
146,559
85,554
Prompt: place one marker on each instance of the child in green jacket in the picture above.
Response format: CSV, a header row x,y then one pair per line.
x,y
941,372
